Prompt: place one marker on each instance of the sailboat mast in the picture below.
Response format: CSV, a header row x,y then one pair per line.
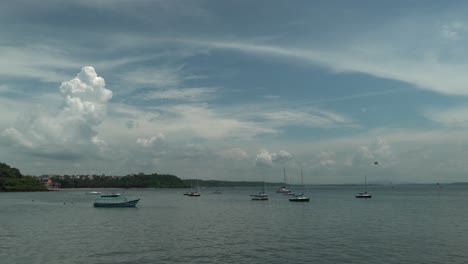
x,y
302,178
302,182
284,175
263,185
365,183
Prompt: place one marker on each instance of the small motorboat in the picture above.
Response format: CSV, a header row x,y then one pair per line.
x,y
114,201
364,195
299,198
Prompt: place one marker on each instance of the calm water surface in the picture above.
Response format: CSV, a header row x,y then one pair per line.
x,y
404,224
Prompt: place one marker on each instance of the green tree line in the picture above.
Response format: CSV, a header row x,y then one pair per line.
x,y
130,181
11,180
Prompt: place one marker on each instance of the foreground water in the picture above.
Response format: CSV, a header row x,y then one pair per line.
x,y
403,224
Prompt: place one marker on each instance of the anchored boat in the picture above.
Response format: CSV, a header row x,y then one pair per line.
x,y
114,201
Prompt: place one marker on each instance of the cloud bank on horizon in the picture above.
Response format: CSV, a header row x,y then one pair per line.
x,y
217,90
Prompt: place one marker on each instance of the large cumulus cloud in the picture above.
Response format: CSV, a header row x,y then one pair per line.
x,y
70,128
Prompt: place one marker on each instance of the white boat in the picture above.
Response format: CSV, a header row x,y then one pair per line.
x,y
364,194
93,193
196,193
261,196
283,189
300,197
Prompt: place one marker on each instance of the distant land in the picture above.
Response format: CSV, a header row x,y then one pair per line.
x,y
11,180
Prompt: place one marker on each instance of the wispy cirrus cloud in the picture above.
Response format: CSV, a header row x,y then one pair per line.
x,y
185,94
453,30
203,121
307,118
157,77
423,70
449,117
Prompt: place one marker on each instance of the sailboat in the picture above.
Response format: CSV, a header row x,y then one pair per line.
x,y
300,197
191,187
195,193
283,189
364,194
261,196
218,189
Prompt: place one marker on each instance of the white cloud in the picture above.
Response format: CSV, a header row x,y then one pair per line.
x,y
4,88
282,155
313,118
158,77
375,59
235,154
188,94
17,137
453,31
451,117
73,125
327,158
265,158
151,141
203,121
379,152
39,62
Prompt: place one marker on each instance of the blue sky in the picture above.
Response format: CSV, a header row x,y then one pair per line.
x,y
236,90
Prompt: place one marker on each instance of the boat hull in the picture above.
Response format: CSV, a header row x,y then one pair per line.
x,y
132,203
260,199
299,199
363,196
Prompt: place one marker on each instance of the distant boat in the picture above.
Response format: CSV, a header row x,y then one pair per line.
x,y
300,197
114,201
93,193
283,189
217,191
261,196
195,193
110,195
364,194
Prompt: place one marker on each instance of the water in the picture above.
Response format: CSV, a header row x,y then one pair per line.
x,y
405,224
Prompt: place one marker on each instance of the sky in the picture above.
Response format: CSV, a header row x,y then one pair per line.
x,y
236,90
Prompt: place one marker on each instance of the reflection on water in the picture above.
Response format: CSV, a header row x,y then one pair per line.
x,y
406,224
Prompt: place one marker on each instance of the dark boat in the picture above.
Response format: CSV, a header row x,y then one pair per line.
x,y
114,201
364,195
